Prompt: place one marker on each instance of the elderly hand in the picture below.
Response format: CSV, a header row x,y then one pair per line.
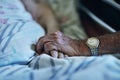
x,y
54,42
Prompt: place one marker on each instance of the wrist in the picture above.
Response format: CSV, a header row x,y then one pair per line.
x,y
52,26
52,29
81,48
84,49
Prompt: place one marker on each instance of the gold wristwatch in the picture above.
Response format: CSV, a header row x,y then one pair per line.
x,y
93,44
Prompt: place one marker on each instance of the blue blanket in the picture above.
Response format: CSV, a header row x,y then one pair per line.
x,y
45,67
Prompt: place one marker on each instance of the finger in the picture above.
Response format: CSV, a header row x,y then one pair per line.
x,y
60,55
39,47
43,40
66,56
54,37
50,46
40,44
54,53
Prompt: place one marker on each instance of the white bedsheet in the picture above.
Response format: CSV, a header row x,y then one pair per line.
x,y
18,31
45,67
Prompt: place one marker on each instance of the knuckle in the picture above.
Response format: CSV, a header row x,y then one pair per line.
x,y
47,44
50,46
41,38
55,34
57,40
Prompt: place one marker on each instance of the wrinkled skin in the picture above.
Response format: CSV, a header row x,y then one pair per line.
x,y
61,43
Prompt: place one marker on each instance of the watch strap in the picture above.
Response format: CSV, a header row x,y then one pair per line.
x,y
93,44
94,51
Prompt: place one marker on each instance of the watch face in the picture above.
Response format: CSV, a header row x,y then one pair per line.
x,y
93,42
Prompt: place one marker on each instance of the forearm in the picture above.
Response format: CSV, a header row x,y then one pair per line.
x,y
48,19
109,44
43,14
31,7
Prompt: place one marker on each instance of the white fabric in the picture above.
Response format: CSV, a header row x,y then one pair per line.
x,y
45,67
18,31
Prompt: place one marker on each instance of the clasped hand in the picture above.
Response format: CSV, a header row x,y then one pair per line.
x,y
59,46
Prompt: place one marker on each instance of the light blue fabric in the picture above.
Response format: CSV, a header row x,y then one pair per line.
x,y
45,67
18,31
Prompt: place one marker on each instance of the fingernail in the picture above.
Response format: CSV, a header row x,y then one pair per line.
x,y
54,54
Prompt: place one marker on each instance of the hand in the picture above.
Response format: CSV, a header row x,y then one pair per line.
x,y
57,54
59,42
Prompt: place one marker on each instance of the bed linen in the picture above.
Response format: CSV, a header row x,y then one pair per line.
x,y
45,67
19,31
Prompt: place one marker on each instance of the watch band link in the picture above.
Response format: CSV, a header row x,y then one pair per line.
x,y
94,51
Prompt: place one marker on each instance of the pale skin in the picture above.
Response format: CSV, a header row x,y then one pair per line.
x,y
43,14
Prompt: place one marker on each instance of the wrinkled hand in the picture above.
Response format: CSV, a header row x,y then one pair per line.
x,y
58,42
